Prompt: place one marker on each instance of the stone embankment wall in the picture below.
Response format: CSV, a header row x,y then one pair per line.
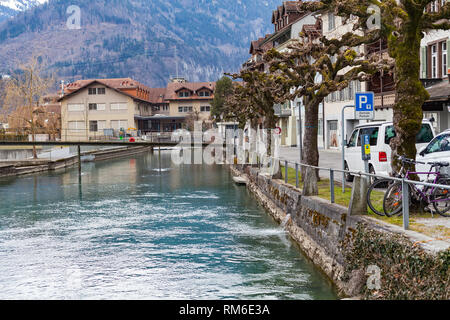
x,y
326,234
15,154
22,167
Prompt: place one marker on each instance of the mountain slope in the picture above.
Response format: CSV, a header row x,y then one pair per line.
x,y
9,8
142,39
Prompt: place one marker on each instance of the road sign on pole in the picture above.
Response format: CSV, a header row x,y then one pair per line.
x,y
364,106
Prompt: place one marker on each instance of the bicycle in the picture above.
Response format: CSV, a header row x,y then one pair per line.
x,y
374,198
438,197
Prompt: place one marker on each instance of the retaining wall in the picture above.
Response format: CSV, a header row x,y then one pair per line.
x,y
324,231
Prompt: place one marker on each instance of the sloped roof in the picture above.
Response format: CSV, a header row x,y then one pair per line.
x,y
439,91
174,87
157,95
118,85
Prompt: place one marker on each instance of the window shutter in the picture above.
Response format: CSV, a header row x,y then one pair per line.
x,y
423,62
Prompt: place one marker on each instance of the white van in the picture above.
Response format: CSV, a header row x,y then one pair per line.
x,y
380,134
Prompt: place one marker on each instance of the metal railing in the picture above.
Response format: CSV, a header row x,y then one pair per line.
x,y
405,184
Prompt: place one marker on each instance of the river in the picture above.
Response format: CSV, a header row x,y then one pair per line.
x,y
131,231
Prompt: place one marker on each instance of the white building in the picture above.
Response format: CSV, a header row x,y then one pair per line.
x,y
333,27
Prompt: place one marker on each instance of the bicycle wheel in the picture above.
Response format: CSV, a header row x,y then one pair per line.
x,y
441,198
375,195
393,202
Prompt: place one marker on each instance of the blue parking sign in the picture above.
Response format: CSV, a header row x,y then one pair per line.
x,y
364,101
364,105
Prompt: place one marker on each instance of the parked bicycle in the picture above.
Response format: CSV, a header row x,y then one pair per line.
x,y
375,193
426,196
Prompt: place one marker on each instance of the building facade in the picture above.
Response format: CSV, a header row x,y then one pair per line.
x,y
106,108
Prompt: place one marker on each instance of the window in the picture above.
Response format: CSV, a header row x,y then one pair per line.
x,y
119,124
389,134
180,109
434,61
119,106
351,91
101,91
184,94
439,144
205,109
353,139
331,21
204,94
101,124
97,106
425,134
92,91
93,126
444,58
75,107
434,6
76,125
373,134
187,109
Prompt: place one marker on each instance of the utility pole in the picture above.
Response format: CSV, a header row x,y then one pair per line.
x,y
176,60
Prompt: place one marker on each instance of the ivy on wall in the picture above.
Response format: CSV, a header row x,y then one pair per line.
x,y
407,272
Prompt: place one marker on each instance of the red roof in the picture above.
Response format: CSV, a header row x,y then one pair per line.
x,y
119,85
157,95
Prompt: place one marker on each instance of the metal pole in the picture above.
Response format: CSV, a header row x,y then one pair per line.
x,y
296,175
344,143
79,159
332,186
405,199
159,155
286,171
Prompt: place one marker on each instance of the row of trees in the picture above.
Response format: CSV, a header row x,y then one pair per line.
x,y
314,67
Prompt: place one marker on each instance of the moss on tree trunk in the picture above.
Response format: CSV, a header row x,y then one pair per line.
x,y
410,93
310,147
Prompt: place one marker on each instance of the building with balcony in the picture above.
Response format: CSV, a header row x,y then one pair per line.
x,y
91,109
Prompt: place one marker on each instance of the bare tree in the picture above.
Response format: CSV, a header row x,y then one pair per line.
x,y
25,90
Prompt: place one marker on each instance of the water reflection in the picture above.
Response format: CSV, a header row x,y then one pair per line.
x,y
130,231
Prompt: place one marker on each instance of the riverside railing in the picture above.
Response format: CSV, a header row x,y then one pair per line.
x,y
405,183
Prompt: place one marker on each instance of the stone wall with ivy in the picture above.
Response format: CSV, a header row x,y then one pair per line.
x,y
361,256
403,269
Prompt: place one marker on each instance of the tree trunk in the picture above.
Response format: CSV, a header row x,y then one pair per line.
x,y
310,176
270,125
410,94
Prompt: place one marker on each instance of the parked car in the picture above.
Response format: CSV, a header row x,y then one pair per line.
x,y
380,134
438,150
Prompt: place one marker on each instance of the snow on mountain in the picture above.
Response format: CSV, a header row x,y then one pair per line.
x,y
9,8
20,5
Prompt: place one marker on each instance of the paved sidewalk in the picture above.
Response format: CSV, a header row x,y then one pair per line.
x,y
327,159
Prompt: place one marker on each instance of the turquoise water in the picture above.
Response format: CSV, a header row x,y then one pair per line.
x,y
129,231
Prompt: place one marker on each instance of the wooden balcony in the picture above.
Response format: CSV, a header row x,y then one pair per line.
x,y
384,100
